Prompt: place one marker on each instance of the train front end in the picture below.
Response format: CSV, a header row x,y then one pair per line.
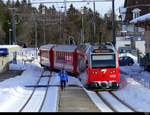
x,y
104,69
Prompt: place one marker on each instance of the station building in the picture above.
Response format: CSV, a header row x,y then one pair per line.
x,y
7,56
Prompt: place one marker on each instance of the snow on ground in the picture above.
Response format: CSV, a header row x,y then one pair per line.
x,y
12,91
134,94
132,90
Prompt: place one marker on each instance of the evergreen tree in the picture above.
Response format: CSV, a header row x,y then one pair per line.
x,y
17,4
71,24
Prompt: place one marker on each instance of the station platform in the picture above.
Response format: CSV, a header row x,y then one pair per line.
x,y
75,99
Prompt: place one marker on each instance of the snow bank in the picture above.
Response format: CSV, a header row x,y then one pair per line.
x,y
23,66
13,92
135,95
29,76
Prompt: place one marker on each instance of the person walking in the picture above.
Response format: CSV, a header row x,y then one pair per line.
x,y
63,78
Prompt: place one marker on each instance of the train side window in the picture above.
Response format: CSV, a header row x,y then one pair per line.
x,y
70,58
65,57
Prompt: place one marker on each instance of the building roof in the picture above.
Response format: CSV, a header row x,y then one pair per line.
x,y
11,48
141,18
130,5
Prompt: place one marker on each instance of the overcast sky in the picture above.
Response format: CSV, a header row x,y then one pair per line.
x,y
101,7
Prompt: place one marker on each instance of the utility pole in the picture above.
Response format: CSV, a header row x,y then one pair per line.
x,y
14,24
35,27
14,32
83,28
44,13
65,6
82,32
10,30
113,23
60,28
94,16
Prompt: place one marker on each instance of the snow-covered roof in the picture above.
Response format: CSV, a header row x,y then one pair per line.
x,y
141,18
47,46
65,47
9,46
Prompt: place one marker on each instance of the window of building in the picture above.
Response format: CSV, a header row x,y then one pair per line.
x,y
136,12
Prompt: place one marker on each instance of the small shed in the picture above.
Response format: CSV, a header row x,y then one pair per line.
x,y
7,56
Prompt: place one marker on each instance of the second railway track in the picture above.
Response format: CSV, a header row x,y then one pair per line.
x,y
38,95
114,102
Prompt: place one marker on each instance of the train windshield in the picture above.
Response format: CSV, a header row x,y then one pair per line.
x,y
103,61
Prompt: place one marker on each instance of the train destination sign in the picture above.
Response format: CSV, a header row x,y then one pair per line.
x,y
102,50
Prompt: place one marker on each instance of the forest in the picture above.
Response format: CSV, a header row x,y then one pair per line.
x,y
33,26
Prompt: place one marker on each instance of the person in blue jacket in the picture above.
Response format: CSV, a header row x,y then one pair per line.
x,y
63,78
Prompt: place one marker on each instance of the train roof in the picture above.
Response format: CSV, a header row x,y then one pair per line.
x,y
107,46
47,46
65,47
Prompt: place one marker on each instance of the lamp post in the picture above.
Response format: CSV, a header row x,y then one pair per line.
x,y
82,32
10,30
36,34
60,28
94,37
14,25
113,23
14,32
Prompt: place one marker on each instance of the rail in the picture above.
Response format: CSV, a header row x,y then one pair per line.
x,y
106,102
34,88
111,104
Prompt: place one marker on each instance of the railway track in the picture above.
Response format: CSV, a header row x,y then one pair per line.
x,y
114,103
39,94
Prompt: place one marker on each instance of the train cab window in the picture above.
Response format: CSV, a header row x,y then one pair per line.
x,y
103,61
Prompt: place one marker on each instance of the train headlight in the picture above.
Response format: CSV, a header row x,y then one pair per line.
x,y
94,72
114,71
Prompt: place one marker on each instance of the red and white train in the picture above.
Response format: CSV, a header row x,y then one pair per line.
x,y
100,64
